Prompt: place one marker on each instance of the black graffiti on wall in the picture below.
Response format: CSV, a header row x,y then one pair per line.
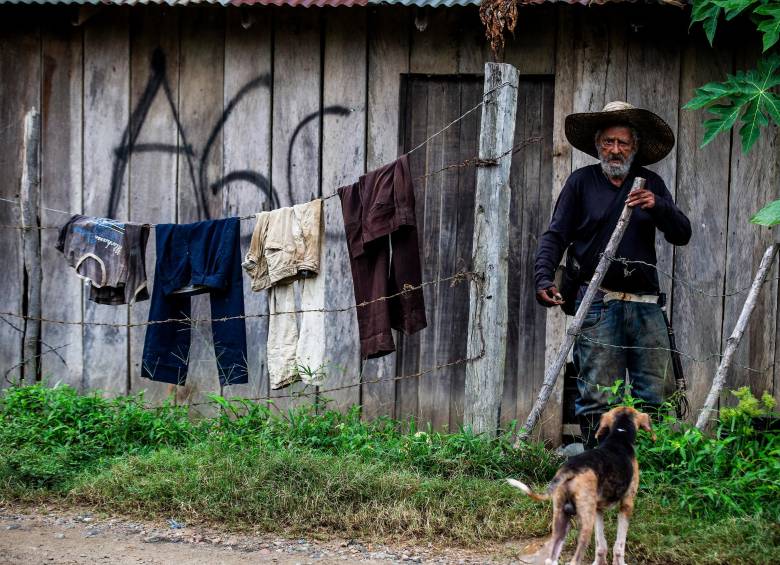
x,y
197,162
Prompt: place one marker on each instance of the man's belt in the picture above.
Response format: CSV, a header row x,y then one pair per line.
x,y
629,297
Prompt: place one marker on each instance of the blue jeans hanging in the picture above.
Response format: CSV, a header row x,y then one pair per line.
x,y
202,257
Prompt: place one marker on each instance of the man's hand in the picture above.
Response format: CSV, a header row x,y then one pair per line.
x,y
549,297
641,197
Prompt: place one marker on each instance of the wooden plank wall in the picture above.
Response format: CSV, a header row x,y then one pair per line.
x,y
251,109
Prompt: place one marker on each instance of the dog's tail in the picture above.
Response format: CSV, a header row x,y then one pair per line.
x,y
527,490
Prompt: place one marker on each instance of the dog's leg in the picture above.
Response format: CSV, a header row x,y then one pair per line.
x,y
586,511
560,529
601,541
619,551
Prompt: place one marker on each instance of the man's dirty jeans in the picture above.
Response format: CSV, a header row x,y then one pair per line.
x,y
619,336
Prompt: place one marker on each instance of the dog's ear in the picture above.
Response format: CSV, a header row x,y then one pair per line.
x,y
605,425
643,423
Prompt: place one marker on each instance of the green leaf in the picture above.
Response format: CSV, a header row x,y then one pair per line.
x,y
706,11
753,119
770,26
727,117
768,216
746,94
733,8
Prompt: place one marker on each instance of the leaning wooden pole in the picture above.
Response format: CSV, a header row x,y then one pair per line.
x,y
736,336
488,304
31,235
571,334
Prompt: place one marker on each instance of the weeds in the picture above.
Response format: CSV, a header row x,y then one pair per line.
x,y
316,469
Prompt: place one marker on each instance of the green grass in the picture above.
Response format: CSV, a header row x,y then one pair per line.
x,y
702,500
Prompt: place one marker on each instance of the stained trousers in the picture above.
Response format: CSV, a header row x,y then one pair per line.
x,y
381,232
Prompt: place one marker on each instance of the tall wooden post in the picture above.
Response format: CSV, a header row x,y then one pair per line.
x,y
488,312
31,236
736,336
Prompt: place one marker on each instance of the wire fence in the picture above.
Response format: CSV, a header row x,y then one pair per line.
x,y
704,289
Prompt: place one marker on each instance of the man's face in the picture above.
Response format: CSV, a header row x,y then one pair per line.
x,y
616,149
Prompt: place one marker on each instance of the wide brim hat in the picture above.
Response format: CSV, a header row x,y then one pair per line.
x,y
656,138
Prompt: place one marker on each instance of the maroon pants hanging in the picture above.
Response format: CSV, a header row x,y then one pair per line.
x,y
381,230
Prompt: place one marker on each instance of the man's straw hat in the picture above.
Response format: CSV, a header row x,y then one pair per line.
x,y
656,138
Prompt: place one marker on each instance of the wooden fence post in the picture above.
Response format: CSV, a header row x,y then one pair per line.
x,y
488,302
736,336
31,236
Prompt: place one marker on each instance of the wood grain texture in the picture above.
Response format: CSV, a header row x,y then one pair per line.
x,y
61,189
653,80
414,130
488,314
30,197
439,253
295,168
753,184
247,147
531,204
473,48
20,77
600,63
531,49
201,91
563,103
388,57
106,113
343,161
470,95
702,194
434,50
153,174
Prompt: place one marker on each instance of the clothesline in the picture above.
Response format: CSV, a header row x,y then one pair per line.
x,y
476,161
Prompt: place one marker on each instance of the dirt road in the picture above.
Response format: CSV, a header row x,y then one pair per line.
x,y
70,536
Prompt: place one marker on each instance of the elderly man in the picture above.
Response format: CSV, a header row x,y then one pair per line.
x,y
624,331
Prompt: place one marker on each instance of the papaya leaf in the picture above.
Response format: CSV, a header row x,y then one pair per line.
x,y
707,12
770,26
753,120
768,216
746,94
733,8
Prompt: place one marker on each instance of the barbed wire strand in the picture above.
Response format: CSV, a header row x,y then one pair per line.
x,y
478,280
686,283
455,279
333,194
688,356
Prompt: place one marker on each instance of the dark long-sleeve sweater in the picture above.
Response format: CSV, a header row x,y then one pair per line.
x,y
581,206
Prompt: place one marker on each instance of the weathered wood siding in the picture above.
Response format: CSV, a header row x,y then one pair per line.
x,y
164,114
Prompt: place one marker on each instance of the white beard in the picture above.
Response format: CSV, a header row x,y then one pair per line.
x,y
617,171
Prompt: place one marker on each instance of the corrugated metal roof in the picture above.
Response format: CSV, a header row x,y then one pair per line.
x,y
321,3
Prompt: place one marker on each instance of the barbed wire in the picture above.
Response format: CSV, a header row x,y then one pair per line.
x,y
691,285
331,195
472,161
456,278
688,356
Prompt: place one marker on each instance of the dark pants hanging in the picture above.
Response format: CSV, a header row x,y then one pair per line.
x,y
379,220
204,257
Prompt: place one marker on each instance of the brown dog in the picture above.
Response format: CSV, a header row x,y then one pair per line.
x,y
592,481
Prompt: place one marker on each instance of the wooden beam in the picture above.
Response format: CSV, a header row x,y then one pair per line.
x,y
31,234
736,336
488,309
